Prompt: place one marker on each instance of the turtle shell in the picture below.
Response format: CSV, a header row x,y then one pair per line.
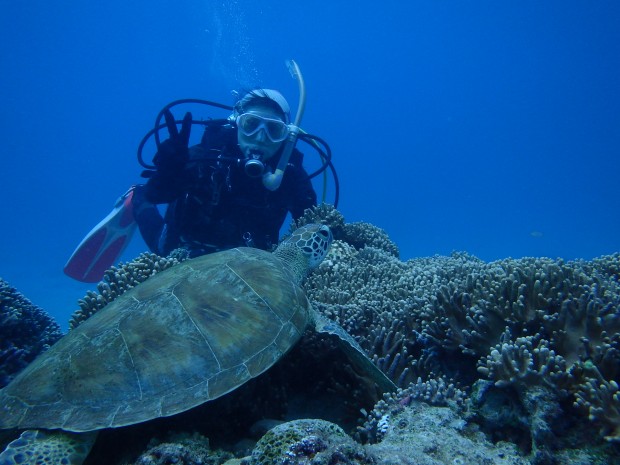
x,y
187,335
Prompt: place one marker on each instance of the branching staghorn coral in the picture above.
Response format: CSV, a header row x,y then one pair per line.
x,y
597,392
526,360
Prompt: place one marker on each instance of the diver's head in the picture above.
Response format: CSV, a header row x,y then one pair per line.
x,y
262,118
268,98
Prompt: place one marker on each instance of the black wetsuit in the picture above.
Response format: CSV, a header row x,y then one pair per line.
x,y
214,205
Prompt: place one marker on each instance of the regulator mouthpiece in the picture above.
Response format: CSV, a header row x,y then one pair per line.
x,y
254,167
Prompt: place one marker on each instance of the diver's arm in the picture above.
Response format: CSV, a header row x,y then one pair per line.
x,y
165,187
167,182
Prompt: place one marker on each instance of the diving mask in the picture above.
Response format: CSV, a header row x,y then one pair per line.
x,y
249,124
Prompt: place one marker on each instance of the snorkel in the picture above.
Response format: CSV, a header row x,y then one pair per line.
x,y
273,180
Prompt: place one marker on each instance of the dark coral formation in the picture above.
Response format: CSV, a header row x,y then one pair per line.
x,y
182,449
118,280
307,442
535,328
25,331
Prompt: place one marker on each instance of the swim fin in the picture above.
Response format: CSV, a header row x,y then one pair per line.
x,y
104,243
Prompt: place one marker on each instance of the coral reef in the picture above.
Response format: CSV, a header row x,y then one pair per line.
x,y
117,280
543,332
25,331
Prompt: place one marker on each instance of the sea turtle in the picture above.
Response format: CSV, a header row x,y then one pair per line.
x,y
185,336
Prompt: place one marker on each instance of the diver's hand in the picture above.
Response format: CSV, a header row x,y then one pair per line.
x,y
173,153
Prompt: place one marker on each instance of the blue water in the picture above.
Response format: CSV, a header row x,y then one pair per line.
x,y
486,127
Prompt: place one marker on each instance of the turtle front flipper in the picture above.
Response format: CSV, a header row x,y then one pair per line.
x,y
352,349
35,447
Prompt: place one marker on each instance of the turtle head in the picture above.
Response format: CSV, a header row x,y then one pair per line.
x,y
306,248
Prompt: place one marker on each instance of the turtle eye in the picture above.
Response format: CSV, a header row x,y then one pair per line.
x,y
325,234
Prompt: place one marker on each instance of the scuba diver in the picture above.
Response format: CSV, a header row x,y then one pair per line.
x,y
218,192
234,188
